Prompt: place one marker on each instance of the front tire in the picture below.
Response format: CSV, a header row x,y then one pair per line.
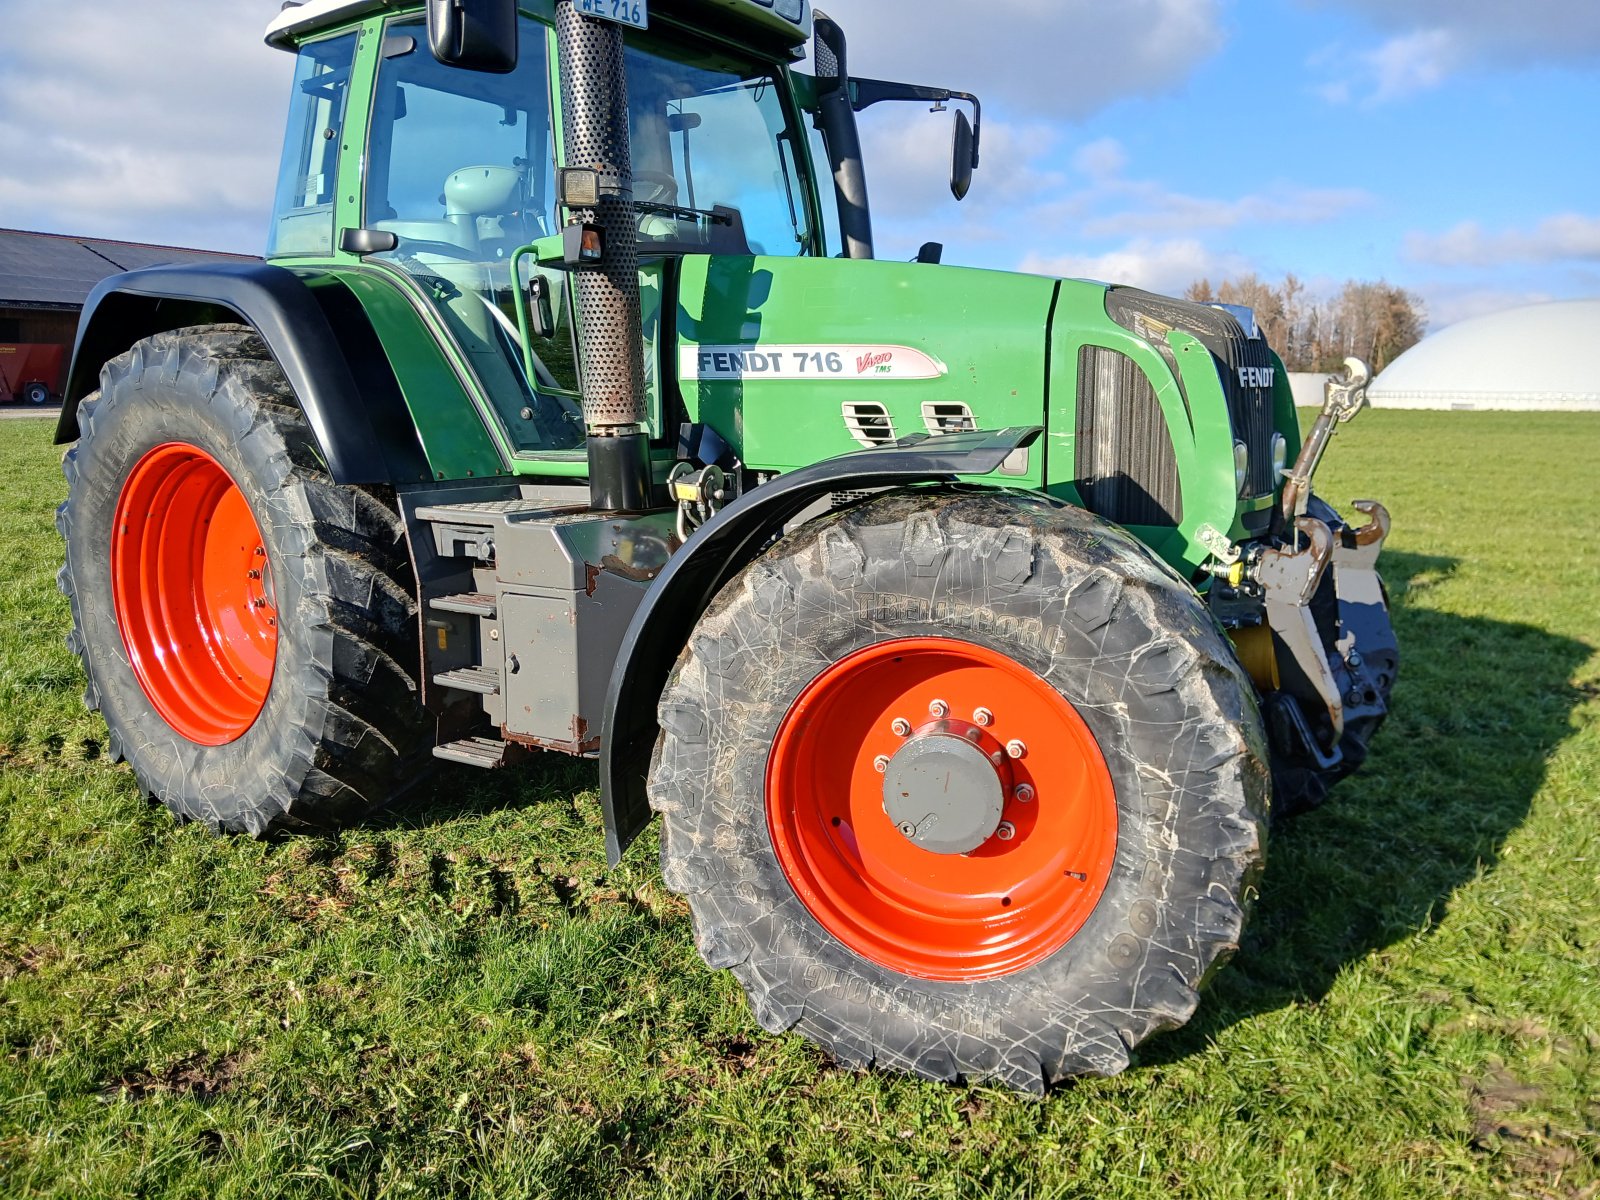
x,y
1046,945
247,627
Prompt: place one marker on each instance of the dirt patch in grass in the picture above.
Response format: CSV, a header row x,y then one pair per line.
x,y
199,1075
22,960
1539,1156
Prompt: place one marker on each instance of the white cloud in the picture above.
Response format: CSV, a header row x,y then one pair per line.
x,y
1159,266
1538,31
1059,58
150,123
1447,305
1413,62
1430,40
1565,237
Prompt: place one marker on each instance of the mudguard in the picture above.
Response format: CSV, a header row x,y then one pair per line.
x,y
718,551
363,428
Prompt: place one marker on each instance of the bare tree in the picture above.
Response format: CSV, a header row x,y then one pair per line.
x,y
1374,321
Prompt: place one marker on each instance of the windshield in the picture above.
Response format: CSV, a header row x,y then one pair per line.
x,y
709,133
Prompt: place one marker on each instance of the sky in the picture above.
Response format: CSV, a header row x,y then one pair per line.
x,y
1447,146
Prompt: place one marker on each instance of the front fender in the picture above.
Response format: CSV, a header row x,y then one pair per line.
x,y
717,552
364,430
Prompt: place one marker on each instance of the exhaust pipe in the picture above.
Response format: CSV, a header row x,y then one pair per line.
x,y
594,123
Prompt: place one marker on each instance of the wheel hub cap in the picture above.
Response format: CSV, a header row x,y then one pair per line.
x,y
942,790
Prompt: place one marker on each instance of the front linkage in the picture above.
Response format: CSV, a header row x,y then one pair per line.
x,y
1314,588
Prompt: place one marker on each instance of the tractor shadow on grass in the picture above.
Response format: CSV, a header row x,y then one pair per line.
x,y
1479,707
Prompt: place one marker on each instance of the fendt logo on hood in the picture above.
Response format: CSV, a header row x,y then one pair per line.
x,y
1257,377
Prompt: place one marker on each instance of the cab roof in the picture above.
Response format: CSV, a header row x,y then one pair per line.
x,y
787,20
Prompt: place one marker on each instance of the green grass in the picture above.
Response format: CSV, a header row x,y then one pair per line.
x,y
457,999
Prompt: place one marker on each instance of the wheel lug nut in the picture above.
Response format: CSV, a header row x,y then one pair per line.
x,y
939,710
997,757
881,763
1024,793
1006,831
1015,748
901,727
983,717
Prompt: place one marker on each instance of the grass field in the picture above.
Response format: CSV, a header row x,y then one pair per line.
x,y
457,999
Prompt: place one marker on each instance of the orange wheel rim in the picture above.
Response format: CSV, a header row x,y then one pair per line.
x,y
1000,907
193,591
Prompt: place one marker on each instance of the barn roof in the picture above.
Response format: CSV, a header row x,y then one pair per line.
x,y
52,270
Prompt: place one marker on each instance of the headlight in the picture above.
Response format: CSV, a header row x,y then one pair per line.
x,y
1280,456
1241,466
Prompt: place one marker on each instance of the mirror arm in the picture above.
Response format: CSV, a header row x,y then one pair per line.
x,y
866,92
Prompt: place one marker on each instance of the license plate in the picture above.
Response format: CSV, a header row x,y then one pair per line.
x,y
623,12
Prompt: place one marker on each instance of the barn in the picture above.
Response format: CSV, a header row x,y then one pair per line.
x,y
44,280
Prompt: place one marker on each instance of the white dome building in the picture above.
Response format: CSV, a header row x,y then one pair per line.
x,y
1538,358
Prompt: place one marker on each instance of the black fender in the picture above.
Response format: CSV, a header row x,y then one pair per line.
x,y
319,336
718,551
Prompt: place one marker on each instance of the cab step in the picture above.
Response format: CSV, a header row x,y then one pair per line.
x,y
474,752
472,604
485,681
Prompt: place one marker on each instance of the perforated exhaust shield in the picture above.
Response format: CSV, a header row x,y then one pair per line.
x,y
594,125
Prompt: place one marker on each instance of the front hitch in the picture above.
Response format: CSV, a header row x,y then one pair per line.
x,y
1341,673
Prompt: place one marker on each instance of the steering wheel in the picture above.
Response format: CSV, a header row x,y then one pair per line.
x,y
665,187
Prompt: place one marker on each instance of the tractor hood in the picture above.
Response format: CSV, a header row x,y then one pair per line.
x,y
798,359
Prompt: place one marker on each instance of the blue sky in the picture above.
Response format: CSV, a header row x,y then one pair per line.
x,y
1446,145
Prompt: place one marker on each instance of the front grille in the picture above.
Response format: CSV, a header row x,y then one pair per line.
x,y
1250,407
1127,470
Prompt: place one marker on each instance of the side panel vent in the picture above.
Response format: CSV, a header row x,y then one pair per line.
x,y
868,423
940,417
1127,470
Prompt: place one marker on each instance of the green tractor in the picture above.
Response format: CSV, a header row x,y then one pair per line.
x,y
962,627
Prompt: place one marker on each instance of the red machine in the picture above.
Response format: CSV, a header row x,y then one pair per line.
x,y
30,372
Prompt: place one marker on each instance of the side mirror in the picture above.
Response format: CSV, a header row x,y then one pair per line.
x,y
476,35
541,317
961,157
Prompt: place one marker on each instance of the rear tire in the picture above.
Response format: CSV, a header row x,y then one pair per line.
x,y
36,394
1012,587
250,688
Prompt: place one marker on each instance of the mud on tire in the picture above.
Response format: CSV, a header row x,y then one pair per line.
x,y
1087,609
341,722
